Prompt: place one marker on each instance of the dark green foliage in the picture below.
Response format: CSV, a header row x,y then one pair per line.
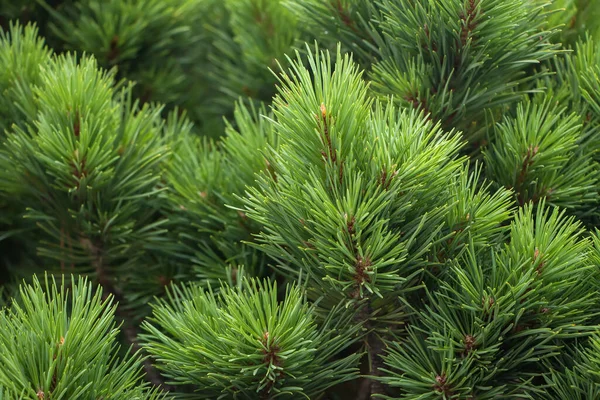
x,y
261,32
84,159
198,55
452,59
576,17
205,177
81,167
158,44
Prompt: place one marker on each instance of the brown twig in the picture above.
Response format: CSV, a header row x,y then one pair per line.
x,y
469,21
375,348
122,315
525,166
364,390
345,17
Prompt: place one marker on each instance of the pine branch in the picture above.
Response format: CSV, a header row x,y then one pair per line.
x,y
69,331
243,341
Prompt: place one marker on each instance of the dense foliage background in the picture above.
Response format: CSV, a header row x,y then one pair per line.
x,y
299,199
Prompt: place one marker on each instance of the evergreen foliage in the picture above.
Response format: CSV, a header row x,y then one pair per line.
x,y
339,199
210,342
204,179
552,168
85,168
57,344
501,312
200,55
450,59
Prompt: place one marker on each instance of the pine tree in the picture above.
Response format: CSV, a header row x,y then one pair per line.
x,y
340,199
